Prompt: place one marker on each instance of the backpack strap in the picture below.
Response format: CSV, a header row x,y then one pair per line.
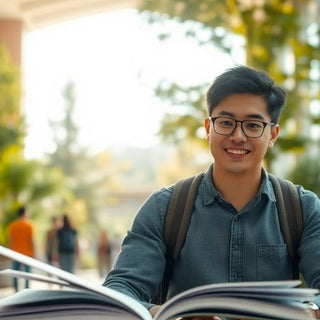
x,y
177,221
290,217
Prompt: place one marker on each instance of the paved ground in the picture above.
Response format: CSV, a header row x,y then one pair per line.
x,y
91,275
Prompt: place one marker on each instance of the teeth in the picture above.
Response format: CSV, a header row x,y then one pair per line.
x,y
237,151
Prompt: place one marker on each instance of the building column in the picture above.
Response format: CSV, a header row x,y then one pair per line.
x,y
11,36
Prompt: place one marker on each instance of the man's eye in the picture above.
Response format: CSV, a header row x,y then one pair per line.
x,y
226,123
253,125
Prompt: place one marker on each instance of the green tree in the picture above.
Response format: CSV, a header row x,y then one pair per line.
x,y
273,33
26,182
183,163
11,121
89,176
22,182
306,172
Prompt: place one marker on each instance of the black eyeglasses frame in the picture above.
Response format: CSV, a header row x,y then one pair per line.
x,y
265,124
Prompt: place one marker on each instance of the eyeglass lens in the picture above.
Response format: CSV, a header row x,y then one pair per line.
x,y
251,128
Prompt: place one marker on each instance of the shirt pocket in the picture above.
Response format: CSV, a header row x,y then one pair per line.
x,y
272,262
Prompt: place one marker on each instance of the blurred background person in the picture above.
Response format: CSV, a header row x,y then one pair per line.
x,y
21,233
116,247
103,253
50,241
67,245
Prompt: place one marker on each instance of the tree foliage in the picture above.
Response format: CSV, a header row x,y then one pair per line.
x,y
183,162
25,182
89,176
306,172
11,121
279,37
22,182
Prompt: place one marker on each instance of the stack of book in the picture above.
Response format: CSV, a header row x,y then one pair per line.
x,y
282,300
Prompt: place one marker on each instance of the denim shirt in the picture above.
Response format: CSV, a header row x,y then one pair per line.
x,y
222,244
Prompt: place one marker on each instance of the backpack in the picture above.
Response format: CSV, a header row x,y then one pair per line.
x,y
66,240
179,213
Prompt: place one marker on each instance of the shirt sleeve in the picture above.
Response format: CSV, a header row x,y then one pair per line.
x,y
140,265
309,249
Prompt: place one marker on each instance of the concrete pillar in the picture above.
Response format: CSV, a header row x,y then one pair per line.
x,y
11,36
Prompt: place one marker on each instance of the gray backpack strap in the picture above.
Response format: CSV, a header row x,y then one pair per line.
x,y
290,217
179,213
177,221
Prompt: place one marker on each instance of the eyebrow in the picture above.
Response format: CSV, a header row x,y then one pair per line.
x,y
250,116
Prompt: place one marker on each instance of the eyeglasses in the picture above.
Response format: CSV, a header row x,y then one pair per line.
x,y
250,128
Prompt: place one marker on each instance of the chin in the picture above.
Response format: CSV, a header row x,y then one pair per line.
x,y
237,169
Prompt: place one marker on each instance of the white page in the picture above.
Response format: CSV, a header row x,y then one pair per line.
x,y
239,308
285,287
118,298
215,295
34,277
56,303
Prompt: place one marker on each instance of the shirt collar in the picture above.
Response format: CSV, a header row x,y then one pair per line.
x,y
266,186
210,193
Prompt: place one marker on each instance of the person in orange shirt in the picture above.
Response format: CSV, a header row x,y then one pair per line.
x,y
21,233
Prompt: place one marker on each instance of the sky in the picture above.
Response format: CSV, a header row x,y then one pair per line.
x,y
115,61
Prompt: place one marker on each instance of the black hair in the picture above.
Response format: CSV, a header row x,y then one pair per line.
x,y
66,222
242,79
21,211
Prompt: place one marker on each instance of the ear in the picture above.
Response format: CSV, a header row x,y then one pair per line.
x,y
274,135
207,127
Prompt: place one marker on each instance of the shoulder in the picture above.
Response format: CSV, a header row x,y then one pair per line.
x,y
155,206
310,202
306,194
12,224
30,224
201,183
162,197
18,224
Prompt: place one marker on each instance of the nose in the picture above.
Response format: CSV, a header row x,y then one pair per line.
x,y
238,133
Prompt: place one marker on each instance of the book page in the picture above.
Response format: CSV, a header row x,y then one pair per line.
x,y
117,298
249,300
286,288
59,304
234,308
34,277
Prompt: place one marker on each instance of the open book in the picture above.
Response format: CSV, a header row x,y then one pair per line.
x,y
82,300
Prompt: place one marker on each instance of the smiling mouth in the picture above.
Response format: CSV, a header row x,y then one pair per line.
x,y
237,151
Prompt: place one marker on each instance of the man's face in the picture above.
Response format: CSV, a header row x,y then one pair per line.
x,y
236,153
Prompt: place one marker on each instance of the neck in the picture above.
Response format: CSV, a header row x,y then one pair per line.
x,y
238,189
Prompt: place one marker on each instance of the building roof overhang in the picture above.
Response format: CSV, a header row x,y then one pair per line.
x,y
36,14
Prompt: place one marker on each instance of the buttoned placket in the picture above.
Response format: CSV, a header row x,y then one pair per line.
x,y
236,249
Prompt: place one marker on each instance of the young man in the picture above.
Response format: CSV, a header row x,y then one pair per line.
x,y
234,234
21,233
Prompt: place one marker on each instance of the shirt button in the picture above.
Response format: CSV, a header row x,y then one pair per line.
x,y
235,247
